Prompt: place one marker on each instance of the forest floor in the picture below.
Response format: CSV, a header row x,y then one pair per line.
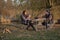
x,y
18,31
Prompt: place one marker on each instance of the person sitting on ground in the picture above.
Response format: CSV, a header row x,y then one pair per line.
x,y
48,16
26,19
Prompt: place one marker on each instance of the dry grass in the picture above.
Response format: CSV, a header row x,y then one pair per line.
x,y
20,33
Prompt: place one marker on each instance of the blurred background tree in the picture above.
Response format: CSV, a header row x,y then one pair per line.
x,y
29,4
19,5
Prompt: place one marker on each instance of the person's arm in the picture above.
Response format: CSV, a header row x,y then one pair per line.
x,y
24,17
29,17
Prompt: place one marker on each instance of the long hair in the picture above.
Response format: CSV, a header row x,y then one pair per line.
x,y
24,12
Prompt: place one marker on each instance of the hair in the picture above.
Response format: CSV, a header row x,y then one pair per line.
x,y
24,12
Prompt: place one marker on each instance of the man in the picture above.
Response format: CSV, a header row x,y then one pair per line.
x,y
49,17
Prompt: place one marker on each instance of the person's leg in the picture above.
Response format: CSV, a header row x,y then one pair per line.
x,y
31,24
46,23
28,25
33,27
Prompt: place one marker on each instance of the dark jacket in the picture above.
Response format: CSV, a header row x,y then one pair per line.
x,y
47,15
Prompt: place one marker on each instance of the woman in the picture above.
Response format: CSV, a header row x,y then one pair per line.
x,y
26,19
